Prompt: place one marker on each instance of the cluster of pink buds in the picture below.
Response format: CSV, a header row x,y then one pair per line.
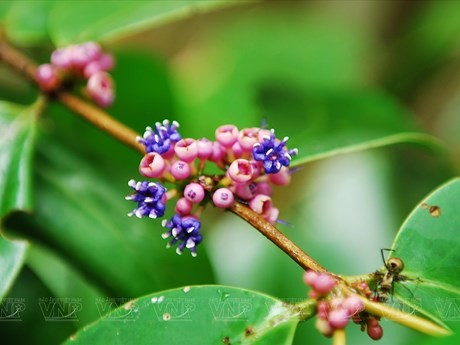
x,y
85,61
251,159
334,311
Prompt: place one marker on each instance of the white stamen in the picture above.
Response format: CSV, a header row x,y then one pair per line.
x,y
266,137
286,139
288,156
132,183
176,124
129,197
256,145
190,243
189,230
194,254
130,214
138,213
152,184
153,214
175,232
138,139
277,165
156,138
149,199
269,152
178,251
138,185
165,235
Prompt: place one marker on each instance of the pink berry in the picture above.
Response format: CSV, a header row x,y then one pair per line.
x,y
100,89
261,204
375,332
309,277
204,148
186,149
223,198
240,171
194,192
324,284
353,304
47,77
152,165
247,137
227,135
281,178
180,170
183,207
338,318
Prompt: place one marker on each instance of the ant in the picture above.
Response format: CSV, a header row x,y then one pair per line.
x,y
385,281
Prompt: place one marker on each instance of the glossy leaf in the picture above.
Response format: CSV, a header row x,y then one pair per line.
x,y
195,315
83,215
16,144
79,21
429,245
26,22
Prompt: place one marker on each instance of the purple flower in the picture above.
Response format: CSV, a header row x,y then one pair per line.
x,y
149,198
273,153
161,138
183,230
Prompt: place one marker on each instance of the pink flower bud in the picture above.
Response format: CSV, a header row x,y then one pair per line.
x,y
324,283
227,135
47,77
186,149
271,215
237,149
194,192
264,188
240,171
281,178
106,62
61,58
183,207
92,68
247,137
223,198
152,165
353,304
100,88
180,170
204,148
261,204
246,191
322,310
309,277
338,318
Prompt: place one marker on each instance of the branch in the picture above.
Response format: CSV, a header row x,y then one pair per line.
x,y
277,237
126,135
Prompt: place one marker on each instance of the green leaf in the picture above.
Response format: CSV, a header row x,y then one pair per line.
x,y
16,143
344,122
79,21
82,214
196,315
429,245
26,22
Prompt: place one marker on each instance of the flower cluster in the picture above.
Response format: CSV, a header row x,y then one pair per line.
x,y
334,311
251,159
85,61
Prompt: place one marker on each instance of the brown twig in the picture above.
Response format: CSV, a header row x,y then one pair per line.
x,y
277,237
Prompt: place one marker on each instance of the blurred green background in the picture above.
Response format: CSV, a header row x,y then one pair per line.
x,y
335,76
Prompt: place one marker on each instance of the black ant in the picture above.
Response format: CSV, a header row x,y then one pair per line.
x,y
385,283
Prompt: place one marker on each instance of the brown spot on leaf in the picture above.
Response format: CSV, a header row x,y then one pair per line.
x,y
226,341
424,205
248,331
435,211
